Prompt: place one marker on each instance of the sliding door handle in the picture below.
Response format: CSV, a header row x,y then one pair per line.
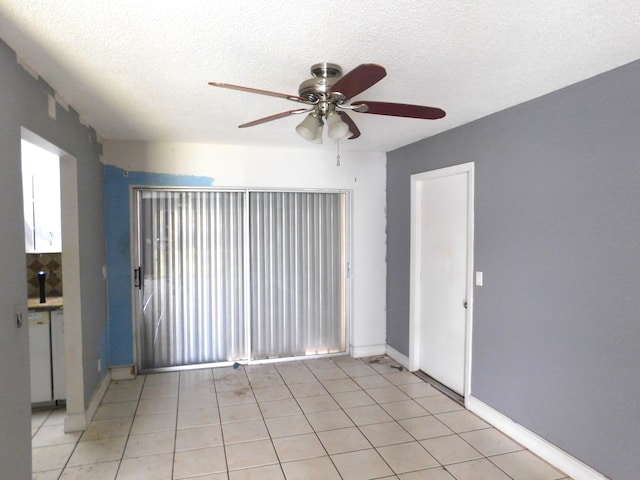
x,y
137,278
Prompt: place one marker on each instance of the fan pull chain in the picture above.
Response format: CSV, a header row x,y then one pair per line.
x,y
338,154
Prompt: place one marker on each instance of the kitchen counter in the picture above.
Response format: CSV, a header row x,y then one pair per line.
x,y
52,303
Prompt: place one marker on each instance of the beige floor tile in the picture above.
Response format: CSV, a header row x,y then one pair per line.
x,y
450,449
312,469
198,437
403,378
159,391
388,433
343,440
97,451
524,465
289,425
235,381
238,432
387,394
367,415
319,403
110,411
279,408
38,418
481,469
165,378
333,373
50,475
439,404
319,364
121,395
51,458
211,476
361,465
97,471
321,421
347,360
358,370
357,398
297,375
270,472
404,409
56,417
196,400
298,447
250,454
199,417
156,422
236,397
150,444
268,394
153,467
240,413
260,380
372,381
437,473
340,385
98,430
490,441
203,461
419,389
157,405
462,421
422,428
54,435
309,389
407,457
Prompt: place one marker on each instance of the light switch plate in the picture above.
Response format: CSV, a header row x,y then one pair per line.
x,y
479,279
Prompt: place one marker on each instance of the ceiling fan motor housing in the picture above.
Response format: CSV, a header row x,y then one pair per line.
x,y
316,89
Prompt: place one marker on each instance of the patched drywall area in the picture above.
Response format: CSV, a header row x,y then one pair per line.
x,y
118,240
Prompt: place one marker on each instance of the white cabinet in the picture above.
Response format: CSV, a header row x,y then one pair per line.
x,y
41,192
57,354
46,354
40,356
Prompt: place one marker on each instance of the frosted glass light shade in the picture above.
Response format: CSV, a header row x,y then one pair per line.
x,y
309,127
337,128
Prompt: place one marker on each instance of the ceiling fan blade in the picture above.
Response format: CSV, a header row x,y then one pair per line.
x,y
355,132
293,98
400,110
359,79
274,117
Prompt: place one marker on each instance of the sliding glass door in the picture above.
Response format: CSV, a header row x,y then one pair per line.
x,y
225,276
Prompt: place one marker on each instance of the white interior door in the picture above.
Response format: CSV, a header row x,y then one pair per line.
x,y
441,271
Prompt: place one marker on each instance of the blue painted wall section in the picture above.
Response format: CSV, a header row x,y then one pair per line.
x,y
118,242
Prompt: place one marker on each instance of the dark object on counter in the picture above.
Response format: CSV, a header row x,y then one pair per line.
x,y
42,276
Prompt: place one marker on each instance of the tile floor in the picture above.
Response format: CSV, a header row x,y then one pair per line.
x,y
324,419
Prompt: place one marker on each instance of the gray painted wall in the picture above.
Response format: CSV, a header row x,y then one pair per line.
x,y
557,229
23,102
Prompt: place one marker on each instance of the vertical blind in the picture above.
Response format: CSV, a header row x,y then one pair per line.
x,y
297,274
224,279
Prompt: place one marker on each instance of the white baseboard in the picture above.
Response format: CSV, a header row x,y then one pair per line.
x,y
538,445
401,358
368,351
76,422
123,372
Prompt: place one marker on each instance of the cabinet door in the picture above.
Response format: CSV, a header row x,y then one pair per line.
x,y
41,198
40,357
57,354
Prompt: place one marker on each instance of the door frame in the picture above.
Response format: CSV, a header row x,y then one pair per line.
x,y
134,260
417,180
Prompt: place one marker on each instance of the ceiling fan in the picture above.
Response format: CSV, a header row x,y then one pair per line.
x,y
327,98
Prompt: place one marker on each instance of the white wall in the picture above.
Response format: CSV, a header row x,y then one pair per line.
x,y
266,167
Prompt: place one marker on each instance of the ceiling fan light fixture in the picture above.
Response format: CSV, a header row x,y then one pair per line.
x,y
338,129
310,128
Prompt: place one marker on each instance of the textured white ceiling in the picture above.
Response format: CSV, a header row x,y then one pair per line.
x,y
138,70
